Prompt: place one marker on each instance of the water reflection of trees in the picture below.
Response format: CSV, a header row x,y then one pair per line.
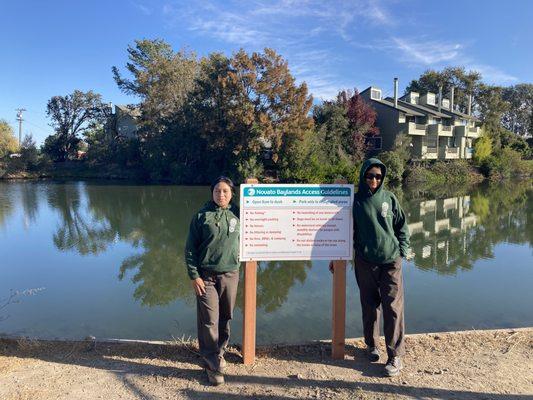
x,y
448,234
452,233
78,229
26,195
6,203
155,220
274,282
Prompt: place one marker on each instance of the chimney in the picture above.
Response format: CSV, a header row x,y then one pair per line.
x,y
396,92
469,104
451,98
440,98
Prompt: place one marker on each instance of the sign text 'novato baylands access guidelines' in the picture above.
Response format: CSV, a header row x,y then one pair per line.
x,y
296,222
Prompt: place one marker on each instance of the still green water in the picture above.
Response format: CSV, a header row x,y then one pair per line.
x,y
110,259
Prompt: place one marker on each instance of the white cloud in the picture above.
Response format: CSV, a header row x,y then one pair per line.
x,y
292,27
426,52
143,9
492,75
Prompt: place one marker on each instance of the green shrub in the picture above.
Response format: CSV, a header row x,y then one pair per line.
x,y
502,164
395,165
482,149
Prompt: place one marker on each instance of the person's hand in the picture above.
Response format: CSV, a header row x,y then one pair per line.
x,y
331,267
198,286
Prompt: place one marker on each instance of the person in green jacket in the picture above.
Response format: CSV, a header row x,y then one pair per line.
x,y
212,258
381,239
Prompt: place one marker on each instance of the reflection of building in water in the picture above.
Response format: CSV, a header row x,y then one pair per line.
x,y
439,232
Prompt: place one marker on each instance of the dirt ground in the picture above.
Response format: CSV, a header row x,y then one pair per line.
x,y
496,364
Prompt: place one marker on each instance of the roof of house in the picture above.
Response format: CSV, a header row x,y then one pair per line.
x,y
134,111
458,114
424,109
388,103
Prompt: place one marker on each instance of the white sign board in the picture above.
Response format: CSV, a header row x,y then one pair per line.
x,y
296,222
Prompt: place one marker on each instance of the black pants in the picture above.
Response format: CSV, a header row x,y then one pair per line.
x,y
381,289
214,313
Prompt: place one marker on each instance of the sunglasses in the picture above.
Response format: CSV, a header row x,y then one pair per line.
x,y
377,177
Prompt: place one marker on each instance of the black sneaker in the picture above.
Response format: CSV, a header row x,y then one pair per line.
x,y
215,377
394,366
372,353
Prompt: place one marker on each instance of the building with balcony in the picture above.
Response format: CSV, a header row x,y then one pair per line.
x,y
436,128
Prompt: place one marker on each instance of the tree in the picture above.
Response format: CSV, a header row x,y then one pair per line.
x,y
161,78
519,117
280,107
29,153
8,142
71,115
361,123
332,126
464,83
482,148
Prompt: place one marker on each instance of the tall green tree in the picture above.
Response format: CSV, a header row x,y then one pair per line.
x,y
8,142
519,116
71,115
161,78
465,83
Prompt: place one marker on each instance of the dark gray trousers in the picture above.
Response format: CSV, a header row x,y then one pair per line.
x,y
381,289
214,313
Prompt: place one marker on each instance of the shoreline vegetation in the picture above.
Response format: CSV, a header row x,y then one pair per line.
x,y
474,364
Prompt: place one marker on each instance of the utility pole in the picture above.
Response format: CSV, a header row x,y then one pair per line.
x,y
19,119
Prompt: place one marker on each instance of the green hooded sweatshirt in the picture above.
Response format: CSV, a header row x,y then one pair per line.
x,y
380,226
213,241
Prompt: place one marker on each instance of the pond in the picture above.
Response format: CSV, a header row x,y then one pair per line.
x,y
108,258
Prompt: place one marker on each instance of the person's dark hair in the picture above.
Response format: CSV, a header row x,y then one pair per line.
x,y
224,179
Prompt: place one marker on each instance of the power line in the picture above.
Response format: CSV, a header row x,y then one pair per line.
x,y
20,119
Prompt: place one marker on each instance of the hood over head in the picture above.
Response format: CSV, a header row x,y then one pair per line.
x,y
371,162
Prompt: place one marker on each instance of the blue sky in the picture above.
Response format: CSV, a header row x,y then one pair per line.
x,y
53,47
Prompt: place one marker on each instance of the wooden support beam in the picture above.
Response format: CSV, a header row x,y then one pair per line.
x,y
339,309
249,306
338,306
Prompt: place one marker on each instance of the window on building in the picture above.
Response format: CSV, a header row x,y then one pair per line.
x,y
375,94
429,141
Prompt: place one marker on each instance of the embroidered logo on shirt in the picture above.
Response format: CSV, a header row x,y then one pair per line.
x,y
384,209
232,224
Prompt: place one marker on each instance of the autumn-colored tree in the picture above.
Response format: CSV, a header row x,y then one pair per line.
x,y
8,142
361,122
276,107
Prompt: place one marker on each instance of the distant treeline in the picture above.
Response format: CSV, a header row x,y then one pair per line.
x,y
245,115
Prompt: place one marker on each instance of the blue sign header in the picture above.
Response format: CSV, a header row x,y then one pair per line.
x,y
296,191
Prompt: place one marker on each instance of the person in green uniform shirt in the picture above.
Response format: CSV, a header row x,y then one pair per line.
x,y
381,239
212,258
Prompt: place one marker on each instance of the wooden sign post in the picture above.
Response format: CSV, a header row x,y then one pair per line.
x,y
249,307
339,306
310,207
